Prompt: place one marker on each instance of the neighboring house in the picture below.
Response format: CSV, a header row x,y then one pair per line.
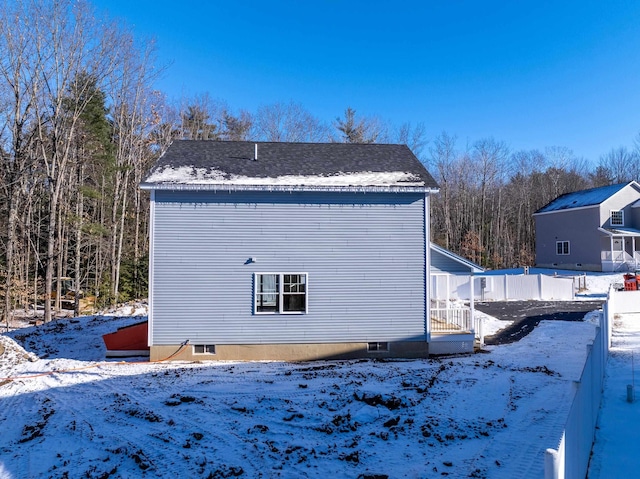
x,y
289,251
592,230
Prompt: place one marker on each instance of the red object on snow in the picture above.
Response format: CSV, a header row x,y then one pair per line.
x,y
128,341
630,282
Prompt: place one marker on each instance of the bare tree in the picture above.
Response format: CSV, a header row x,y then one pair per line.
x,y
289,122
166,122
443,156
74,49
523,202
562,171
17,87
133,122
415,137
490,161
620,165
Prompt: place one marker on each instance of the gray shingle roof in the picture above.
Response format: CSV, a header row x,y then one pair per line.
x,y
580,199
190,162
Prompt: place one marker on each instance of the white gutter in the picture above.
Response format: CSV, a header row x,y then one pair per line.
x,y
287,188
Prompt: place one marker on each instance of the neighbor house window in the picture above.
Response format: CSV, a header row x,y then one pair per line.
x,y
617,218
562,247
280,293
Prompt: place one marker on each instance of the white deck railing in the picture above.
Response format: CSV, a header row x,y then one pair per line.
x,y
451,320
615,256
619,260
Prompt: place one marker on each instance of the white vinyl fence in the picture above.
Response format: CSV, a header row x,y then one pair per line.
x,y
502,287
570,459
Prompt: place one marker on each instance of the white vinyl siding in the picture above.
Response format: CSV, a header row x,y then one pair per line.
x,y
362,253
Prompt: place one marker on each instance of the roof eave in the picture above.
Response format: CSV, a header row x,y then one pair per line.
x,y
286,188
576,208
617,232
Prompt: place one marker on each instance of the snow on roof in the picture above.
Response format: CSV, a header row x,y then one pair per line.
x,y
202,176
242,164
579,199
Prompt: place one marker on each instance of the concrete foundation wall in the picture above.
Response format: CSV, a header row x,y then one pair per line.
x,y
571,266
290,352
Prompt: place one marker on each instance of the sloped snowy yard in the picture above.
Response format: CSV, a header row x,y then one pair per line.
x,y
485,415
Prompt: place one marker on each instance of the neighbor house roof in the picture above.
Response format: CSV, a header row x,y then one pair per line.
x,y
470,265
621,231
192,164
583,198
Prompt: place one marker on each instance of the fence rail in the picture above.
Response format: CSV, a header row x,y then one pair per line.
x,y
503,287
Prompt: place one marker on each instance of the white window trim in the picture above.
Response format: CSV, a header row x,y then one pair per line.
x,y
611,218
568,248
380,347
280,293
205,347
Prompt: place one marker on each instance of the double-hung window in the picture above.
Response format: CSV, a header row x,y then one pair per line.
x,y
280,293
562,247
617,218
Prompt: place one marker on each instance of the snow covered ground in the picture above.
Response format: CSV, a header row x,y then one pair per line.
x,y
66,412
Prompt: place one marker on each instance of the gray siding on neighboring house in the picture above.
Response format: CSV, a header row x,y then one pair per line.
x,y
634,216
578,226
620,201
364,254
443,264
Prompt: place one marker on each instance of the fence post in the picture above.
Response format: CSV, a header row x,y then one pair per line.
x,y
551,464
539,286
506,287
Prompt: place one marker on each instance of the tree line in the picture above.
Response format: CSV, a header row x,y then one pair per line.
x,y
81,123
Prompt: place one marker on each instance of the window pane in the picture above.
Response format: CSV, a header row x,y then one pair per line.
x,y
294,298
292,283
268,283
617,218
267,303
293,302
267,297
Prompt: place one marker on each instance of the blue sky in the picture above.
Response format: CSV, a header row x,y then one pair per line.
x,y
530,73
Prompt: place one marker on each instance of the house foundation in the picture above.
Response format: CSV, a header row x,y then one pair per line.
x,y
290,352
